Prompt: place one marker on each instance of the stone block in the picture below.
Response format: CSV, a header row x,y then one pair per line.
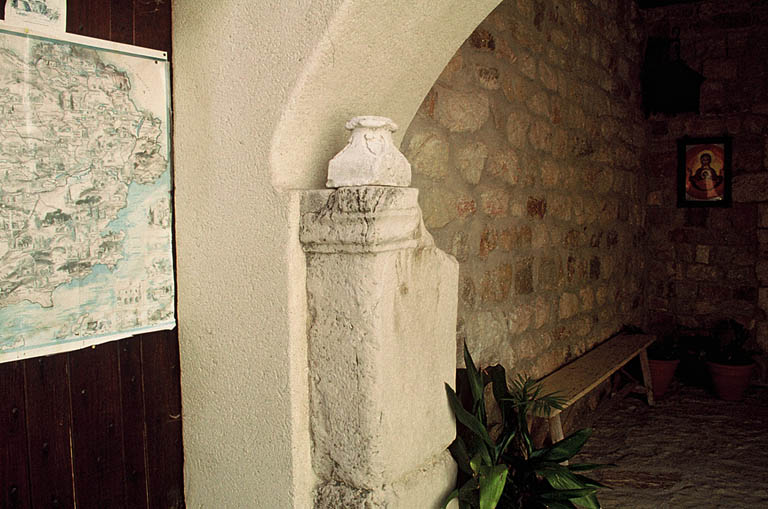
x,y
537,207
488,241
482,39
542,312
515,237
702,254
540,135
524,277
761,271
470,159
429,153
380,310
488,77
460,246
494,202
426,486
750,187
460,111
763,215
465,206
569,305
442,206
496,283
517,130
505,164
519,318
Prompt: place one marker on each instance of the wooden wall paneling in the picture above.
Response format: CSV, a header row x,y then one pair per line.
x,y
14,474
153,24
49,428
97,435
163,403
134,430
89,17
121,21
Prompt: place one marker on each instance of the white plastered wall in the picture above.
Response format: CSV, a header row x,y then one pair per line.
x,y
261,93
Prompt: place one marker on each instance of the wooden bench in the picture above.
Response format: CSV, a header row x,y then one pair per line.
x,y
578,378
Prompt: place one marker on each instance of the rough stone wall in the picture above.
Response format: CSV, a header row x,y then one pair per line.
x,y
710,264
527,153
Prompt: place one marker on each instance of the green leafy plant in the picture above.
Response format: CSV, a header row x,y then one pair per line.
x,y
502,468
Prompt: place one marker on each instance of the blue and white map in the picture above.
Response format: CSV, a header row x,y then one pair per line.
x,y
85,208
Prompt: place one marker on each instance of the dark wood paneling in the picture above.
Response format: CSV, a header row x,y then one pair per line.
x,y
14,475
134,429
49,427
121,21
149,14
165,457
97,431
89,17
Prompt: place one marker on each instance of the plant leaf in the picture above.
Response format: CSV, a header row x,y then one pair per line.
x,y
492,481
467,491
566,448
586,481
562,479
467,419
459,452
504,443
475,384
451,496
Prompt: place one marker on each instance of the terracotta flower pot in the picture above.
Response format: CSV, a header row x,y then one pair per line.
x,y
662,373
730,382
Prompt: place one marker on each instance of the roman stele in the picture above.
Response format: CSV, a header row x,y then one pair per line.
x,y
370,157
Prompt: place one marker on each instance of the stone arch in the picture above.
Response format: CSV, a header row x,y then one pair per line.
x,y
375,58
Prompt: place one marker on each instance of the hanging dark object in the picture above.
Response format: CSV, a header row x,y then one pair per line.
x,y
669,85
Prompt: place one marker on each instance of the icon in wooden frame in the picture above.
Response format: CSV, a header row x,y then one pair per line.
x,y
704,172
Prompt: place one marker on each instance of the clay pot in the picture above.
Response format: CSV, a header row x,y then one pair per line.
x,y
730,382
662,373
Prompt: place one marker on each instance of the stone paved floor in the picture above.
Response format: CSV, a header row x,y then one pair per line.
x,y
689,451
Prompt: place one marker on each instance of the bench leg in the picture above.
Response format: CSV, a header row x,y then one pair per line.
x,y
556,431
556,428
646,376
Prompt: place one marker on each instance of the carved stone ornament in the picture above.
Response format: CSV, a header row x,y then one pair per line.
x,y
370,157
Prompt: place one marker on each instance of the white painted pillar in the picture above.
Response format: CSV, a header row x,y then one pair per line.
x,y
382,315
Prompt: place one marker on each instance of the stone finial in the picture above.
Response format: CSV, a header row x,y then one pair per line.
x,y
370,157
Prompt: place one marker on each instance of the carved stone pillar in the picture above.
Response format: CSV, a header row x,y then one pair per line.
x,y
382,317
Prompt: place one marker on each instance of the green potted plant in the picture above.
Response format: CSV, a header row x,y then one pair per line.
x,y
499,465
663,359
729,362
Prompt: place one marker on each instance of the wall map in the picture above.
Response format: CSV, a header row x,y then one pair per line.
x,y
85,203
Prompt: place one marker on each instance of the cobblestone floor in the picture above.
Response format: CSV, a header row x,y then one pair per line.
x,y
689,451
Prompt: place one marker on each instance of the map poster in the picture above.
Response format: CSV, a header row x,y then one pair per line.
x,y
85,193
50,14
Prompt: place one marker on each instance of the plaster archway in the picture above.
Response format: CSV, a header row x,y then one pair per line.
x,y
261,94
375,58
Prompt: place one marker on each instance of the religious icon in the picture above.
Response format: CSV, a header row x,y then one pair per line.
x,y
704,172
